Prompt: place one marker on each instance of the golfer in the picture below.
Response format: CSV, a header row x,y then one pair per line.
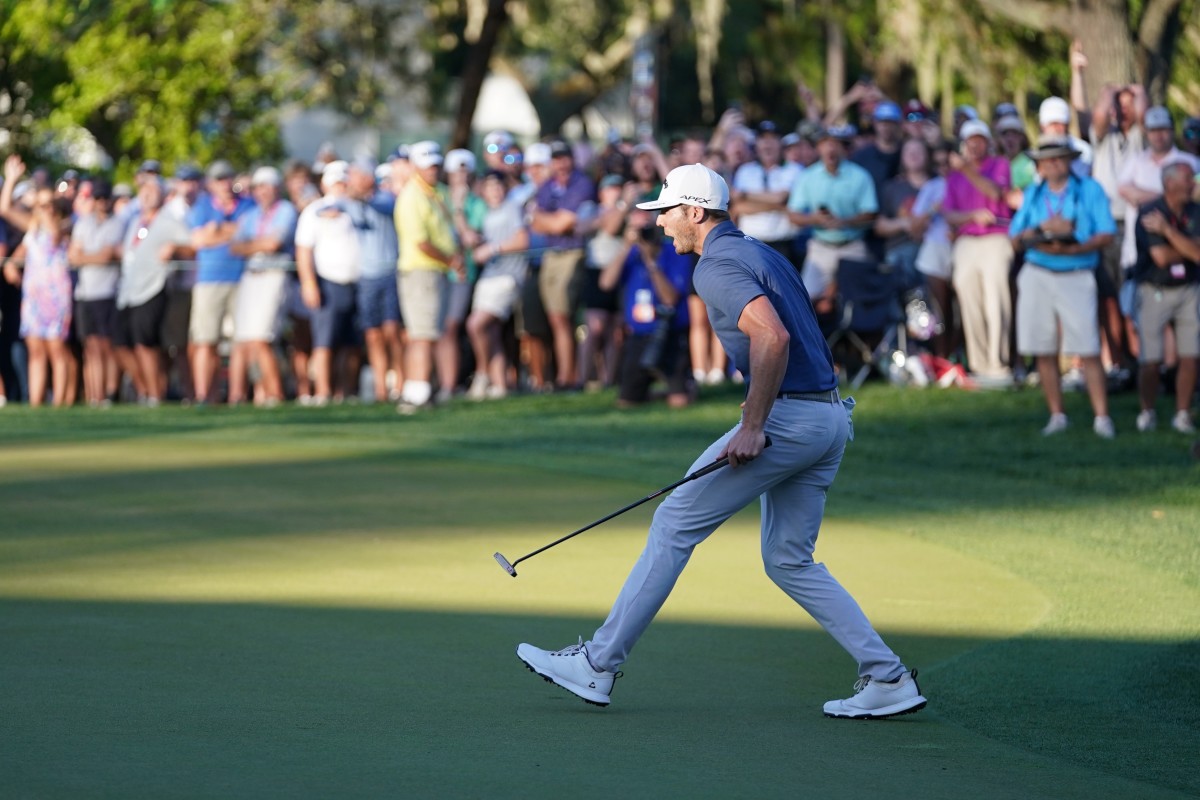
x,y
760,311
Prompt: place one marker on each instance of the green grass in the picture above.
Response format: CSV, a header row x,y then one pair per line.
x,y
302,602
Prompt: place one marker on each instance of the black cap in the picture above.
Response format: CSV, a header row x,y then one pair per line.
x,y
187,172
559,149
101,189
767,126
151,165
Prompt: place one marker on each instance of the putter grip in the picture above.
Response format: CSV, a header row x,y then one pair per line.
x,y
724,462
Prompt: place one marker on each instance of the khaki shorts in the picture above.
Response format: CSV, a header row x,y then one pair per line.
x,y
211,303
256,310
497,296
821,263
424,295
1047,300
558,280
1158,306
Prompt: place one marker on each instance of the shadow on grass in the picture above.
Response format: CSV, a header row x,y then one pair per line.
x,y
192,700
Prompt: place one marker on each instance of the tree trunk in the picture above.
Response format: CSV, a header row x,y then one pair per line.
x,y
835,61
479,57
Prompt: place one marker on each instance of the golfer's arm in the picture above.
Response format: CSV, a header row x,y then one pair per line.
x,y
769,345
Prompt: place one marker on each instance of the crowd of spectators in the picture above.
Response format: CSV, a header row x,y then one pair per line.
x,y
435,275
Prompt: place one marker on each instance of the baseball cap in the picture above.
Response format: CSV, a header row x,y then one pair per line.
x,y
460,159
1191,128
122,190
560,149
334,172
693,185
974,127
537,154
611,180
1005,110
916,111
399,154
767,126
364,164
220,170
266,175
425,154
887,111
843,133
151,165
967,111
187,172
497,142
101,189
1009,122
1054,110
790,139
1157,118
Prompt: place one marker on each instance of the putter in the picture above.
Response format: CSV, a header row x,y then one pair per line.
x,y
511,566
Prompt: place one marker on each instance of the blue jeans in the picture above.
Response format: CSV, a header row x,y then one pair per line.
x,y
790,479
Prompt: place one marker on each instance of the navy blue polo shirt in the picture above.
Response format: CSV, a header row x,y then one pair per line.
x,y
734,270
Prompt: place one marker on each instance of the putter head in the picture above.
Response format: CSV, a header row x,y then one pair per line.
x,y
503,562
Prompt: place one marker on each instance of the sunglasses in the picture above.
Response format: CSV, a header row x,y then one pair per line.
x,y
914,116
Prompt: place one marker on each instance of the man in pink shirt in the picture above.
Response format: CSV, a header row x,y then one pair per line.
x,y
977,211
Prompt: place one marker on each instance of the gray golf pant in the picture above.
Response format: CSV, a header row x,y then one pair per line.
x,y
791,478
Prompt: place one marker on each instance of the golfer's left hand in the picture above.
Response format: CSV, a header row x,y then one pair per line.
x,y
745,446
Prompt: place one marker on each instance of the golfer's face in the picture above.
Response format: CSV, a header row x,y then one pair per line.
x,y
675,224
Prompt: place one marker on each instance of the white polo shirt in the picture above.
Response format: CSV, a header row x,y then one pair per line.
x,y
767,226
1144,171
328,229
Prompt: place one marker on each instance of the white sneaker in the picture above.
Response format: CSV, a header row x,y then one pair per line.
x,y
876,699
1147,421
478,388
496,392
1073,381
1182,422
570,669
1104,428
1057,424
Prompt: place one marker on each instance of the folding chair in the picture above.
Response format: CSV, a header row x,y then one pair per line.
x,y
868,306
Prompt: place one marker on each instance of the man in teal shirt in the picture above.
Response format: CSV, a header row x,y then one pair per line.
x,y
836,198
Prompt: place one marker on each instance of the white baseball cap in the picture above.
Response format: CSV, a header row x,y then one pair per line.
x,y
334,172
1054,110
974,127
1157,118
536,154
423,155
267,175
497,141
460,159
693,185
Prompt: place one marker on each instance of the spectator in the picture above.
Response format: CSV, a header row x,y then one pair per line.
x,y
1062,226
181,281
563,202
429,251
373,213
1054,119
760,191
935,257
95,252
976,209
1013,142
1168,293
532,327
900,229
151,241
467,210
837,198
301,191
654,282
329,263
265,238
1190,143
214,222
598,348
1140,180
45,281
505,266
881,157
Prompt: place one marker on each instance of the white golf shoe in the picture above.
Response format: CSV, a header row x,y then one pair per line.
x,y
570,669
876,699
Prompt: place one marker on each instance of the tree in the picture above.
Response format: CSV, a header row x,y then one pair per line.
x,y
1125,42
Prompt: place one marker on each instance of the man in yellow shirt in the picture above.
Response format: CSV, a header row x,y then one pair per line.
x,y
429,250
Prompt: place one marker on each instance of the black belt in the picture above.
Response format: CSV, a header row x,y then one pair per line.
x,y
830,396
